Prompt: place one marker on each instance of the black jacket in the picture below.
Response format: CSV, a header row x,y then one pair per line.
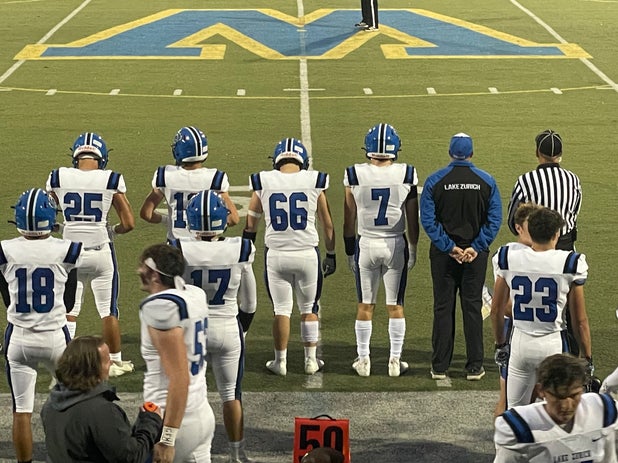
x,y
90,427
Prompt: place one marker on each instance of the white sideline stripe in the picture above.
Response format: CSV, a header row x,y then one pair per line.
x,y
493,90
178,92
304,89
556,90
18,64
367,91
431,91
558,37
314,381
51,91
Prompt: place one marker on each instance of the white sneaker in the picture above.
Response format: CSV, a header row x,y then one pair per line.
x,y
120,368
313,365
397,367
438,374
362,365
278,368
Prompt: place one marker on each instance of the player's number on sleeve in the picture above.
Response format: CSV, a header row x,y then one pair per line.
x,y
80,208
218,282
199,348
543,290
382,195
310,436
294,216
40,285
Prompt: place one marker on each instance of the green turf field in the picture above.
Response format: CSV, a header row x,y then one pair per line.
x,y
138,83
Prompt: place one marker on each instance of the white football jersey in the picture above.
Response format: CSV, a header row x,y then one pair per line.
x,y
85,197
290,201
185,308
592,439
179,185
220,268
494,259
36,272
539,283
380,194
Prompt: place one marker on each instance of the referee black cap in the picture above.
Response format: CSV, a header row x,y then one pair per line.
x,y
549,143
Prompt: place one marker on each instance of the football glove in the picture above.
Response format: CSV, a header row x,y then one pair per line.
x,y
593,385
589,367
502,354
412,258
352,264
329,265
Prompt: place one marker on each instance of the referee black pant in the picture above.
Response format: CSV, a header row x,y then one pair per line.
x,y
369,9
449,277
567,243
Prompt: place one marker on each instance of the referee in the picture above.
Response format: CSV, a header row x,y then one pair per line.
x,y
551,186
555,188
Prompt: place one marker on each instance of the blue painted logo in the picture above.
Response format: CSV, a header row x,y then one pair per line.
x,y
323,34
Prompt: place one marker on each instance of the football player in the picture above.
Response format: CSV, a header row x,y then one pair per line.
x,y
85,193
380,203
178,183
523,240
223,268
568,425
37,281
289,197
538,281
174,327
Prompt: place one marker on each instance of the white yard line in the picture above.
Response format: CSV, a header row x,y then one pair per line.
x,y
558,37
18,64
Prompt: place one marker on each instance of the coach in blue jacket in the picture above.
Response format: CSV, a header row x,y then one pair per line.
x,y
461,212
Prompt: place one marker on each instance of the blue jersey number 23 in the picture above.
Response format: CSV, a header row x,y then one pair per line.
x,y
546,287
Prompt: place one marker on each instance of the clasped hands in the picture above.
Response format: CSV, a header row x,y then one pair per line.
x,y
463,255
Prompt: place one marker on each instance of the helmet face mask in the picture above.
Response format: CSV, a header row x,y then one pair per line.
x,y
189,145
207,214
35,213
293,149
91,145
382,142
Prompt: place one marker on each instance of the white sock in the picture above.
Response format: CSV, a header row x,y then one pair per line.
x,y
363,330
72,326
116,357
310,351
281,355
397,333
235,449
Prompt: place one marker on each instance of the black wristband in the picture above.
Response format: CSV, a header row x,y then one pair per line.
x,y
350,245
330,254
500,346
249,235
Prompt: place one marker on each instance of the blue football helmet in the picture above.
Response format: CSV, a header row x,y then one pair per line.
x,y
207,214
35,213
189,145
291,148
90,143
382,142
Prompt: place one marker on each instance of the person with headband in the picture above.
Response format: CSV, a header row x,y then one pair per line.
x,y
174,322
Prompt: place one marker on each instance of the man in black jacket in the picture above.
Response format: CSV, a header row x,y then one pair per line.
x,y
80,419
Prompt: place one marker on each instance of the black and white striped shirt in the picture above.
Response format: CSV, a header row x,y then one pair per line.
x,y
551,186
